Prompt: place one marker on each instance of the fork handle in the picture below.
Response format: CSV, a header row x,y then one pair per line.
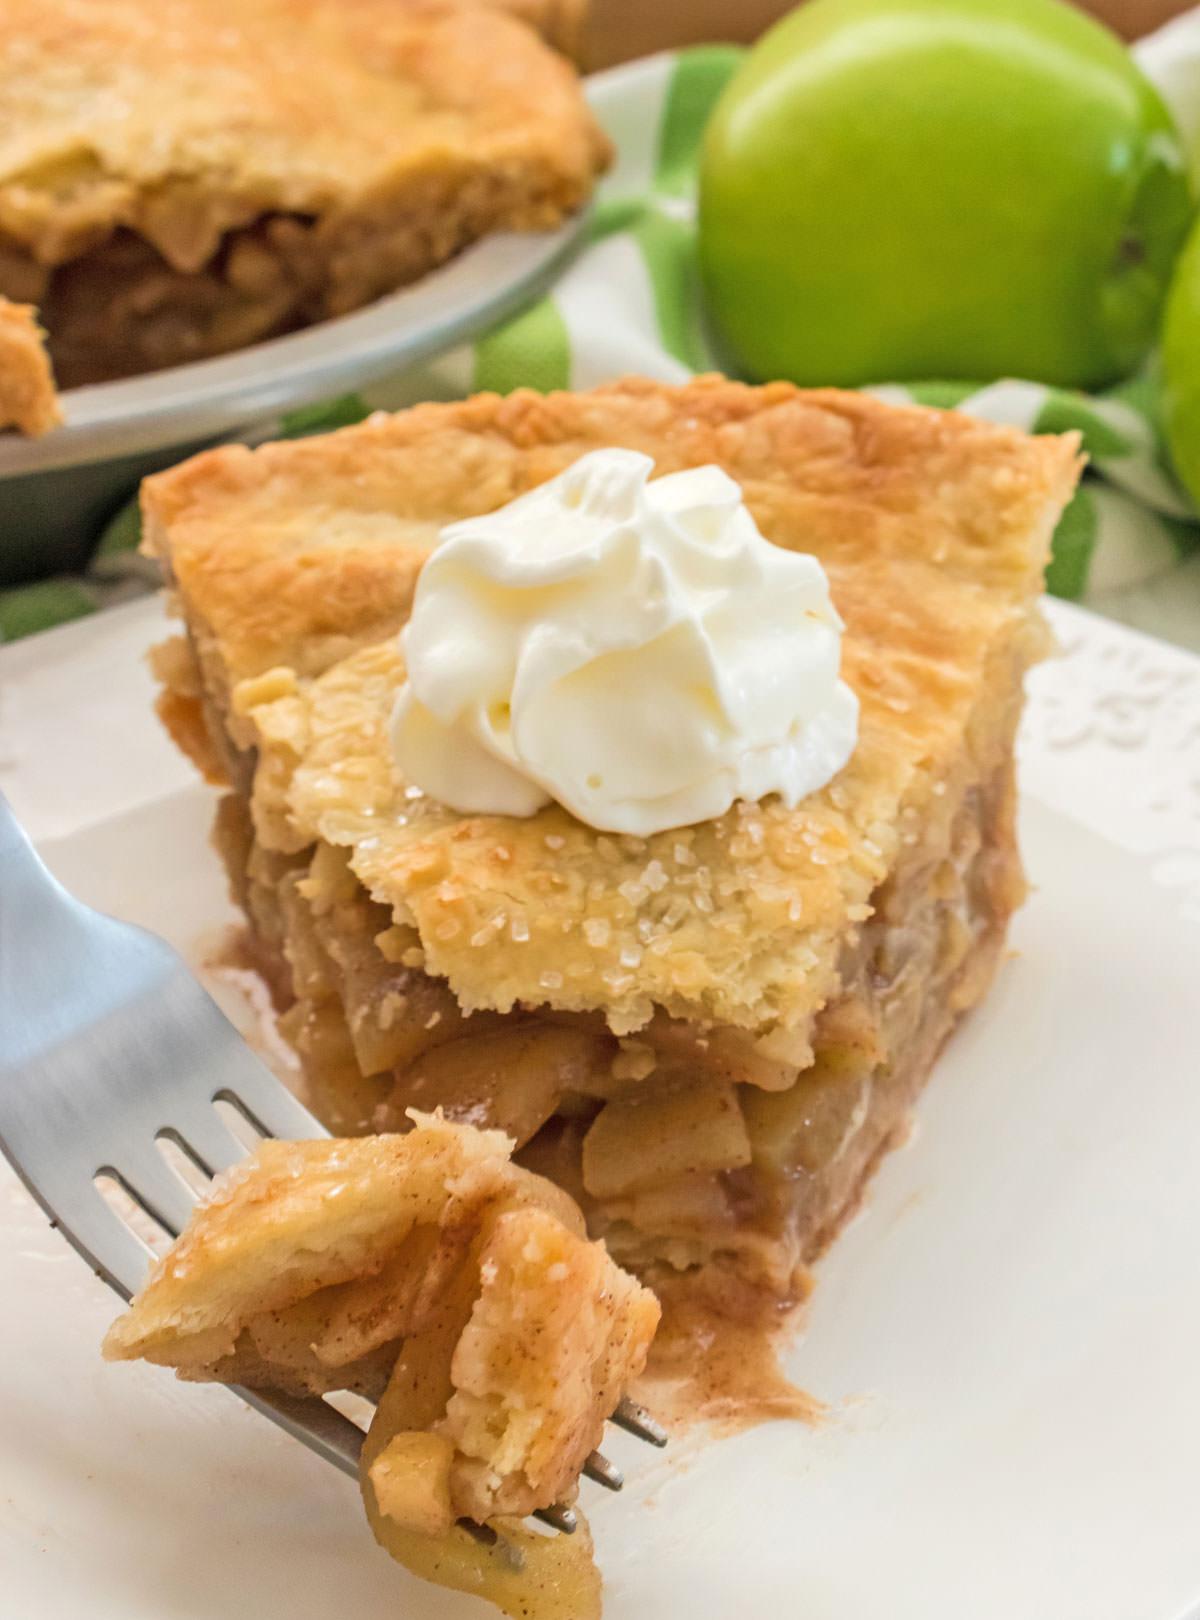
x,y
51,946
33,908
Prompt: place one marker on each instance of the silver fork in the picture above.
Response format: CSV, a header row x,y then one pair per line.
x,y
109,1047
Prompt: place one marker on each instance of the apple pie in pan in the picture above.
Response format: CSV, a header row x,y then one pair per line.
x,y
184,178
707,1036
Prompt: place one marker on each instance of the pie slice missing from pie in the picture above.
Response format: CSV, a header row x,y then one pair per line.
x,y
708,1036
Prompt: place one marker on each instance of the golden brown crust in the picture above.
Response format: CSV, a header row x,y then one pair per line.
x,y
297,1218
28,400
559,22
182,179
740,920
180,706
188,118
296,553
933,528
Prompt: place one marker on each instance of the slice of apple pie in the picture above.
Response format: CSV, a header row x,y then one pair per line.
x,y
707,1034
456,1289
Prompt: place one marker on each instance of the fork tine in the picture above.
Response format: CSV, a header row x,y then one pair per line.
x,y
598,1469
487,1536
270,1105
484,1534
559,1517
147,1178
636,1420
313,1422
204,1136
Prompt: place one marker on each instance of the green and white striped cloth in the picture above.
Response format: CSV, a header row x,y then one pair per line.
x,y
1129,544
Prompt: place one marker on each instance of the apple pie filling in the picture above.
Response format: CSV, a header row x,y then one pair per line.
x,y
122,306
689,1148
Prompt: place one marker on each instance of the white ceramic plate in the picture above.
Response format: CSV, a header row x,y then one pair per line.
x,y
1008,1337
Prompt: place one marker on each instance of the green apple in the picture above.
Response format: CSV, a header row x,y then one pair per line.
x,y
1181,366
900,189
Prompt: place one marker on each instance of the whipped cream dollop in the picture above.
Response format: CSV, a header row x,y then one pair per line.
x,y
636,650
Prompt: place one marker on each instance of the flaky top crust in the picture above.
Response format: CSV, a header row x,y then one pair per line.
x,y
296,553
302,1216
184,119
933,528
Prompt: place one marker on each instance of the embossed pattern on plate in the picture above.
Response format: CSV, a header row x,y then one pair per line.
x,y
1111,738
